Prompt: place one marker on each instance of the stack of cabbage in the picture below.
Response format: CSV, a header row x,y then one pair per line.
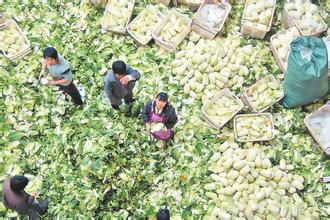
x,y
117,14
205,66
281,43
258,13
245,184
173,28
12,41
222,110
264,93
212,15
306,16
144,24
253,127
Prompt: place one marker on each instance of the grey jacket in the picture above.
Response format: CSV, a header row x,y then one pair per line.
x,y
20,203
115,90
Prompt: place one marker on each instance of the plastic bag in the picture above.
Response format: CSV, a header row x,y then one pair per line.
x,y
306,77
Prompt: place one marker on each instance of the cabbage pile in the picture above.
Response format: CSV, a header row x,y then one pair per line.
x,y
205,66
94,162
244,184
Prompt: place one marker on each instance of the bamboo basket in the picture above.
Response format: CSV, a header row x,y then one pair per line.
x,y
254,31
248,98
279,61
24,50
135,37
289,22
209,32
171,46
253,115
215,98
122,31
316,137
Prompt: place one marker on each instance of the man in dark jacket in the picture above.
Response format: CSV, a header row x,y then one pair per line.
x,y
119,83
160,111
15,198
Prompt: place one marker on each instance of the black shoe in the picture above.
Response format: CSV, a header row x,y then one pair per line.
x,y
129,101
116,107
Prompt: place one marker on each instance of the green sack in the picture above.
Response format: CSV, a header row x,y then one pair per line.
x,y
306,77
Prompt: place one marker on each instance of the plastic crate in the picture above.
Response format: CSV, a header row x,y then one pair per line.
x,y
247,97
316,137
227,93
24,50
209,32
254,31
253,115
141,41
171,46
123,31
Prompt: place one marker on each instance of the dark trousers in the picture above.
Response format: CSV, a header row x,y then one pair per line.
x,y
72,91
38,209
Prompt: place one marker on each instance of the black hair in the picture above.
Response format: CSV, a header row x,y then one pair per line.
x,y
119,67
18,183
163,214
162,96
51,52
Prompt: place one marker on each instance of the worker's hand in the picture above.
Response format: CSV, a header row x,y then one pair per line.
x,y
35,194
124,80
148,126
43,72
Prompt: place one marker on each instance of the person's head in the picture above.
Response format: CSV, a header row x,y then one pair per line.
x,y
51,56
163,214
161,100
119,69
18,183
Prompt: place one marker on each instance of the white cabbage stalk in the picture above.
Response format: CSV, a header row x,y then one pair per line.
x,y
143,26
44,81
282,43
204,66
11,40
259,12
254,127
154,127
117,14
306,16
244,184
222,110
264,93
173,28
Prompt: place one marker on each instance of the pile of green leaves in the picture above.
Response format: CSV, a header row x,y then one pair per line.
x,y
95,162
